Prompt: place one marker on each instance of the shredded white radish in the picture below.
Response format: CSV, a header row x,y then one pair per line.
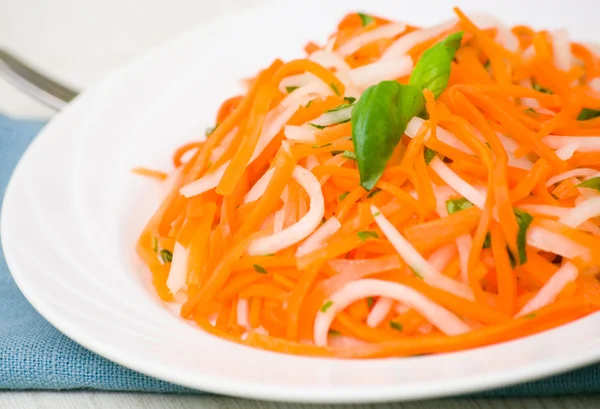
x,y
334,117
416,261
566,151
301,229
584,143
443,135
329,59
366,266
440,317
504,35
343,341
178,270
464,244
259,187
548,293
595,84
558,211
442,194
318,238
571,174
301,95
381,70
561,44
337,160
457,183
440,258
528,102
552,242
379,311
242,313
582,212
380,33
298,81
205,183
311,162
403,45
300,133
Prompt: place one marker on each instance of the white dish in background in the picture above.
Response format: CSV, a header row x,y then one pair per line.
x,y
73,210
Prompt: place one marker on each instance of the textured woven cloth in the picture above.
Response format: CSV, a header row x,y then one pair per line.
x,y
34,355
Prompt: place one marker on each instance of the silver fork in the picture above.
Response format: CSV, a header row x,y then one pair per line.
x,y
32,82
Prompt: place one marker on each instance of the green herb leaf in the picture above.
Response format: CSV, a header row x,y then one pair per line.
x,y
335,153
524,219
370,302
379,119
416,273
270,255
326,306
210,130
429,155
531,111
334,333
539,88
396,325
290,89
373,193
339,108
349,155
530,316
155,244
587,113
321,146
308,103
487,64
350,100
365,19
367,234
432,71
318,126
166,256
335,89
457,205
259,269
487,243
343,196
593,183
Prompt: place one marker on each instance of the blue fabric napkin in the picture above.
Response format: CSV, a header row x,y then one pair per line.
x,y
34,355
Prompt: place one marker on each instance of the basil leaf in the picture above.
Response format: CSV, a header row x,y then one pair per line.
x,y
457,205
379,119
524,219
432,71
429,155
365,19
593,183
587,113
539,88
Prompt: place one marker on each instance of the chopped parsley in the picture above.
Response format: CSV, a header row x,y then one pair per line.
x,y
290,89
376,214
335,153
343,196
524,219
587,113
318,126
539,88
487,243
270,255
457,205
259,269
335,89
367,234
530,316
429,155
593,183
339,108
349,155
308,103
415,272
373,193
326,306
334,333
166,255
210,130
365,19
321,146
396,325
155,244
370,302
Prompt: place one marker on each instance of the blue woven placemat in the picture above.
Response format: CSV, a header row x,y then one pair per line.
x,y
34,355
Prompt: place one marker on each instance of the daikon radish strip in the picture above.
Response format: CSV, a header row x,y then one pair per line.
x,y
582,212
300,134
301,95
504,35
205,183
561,44
379,311
259,187
463,245
178,270
380,33
318,238
416,261
298,81
381,70
579,172
440,317
548,293
440,258
301,229
329,59
558,211
403,45
311,162
457,183
337,116
549,241
583,143
443,135
566,151
242,313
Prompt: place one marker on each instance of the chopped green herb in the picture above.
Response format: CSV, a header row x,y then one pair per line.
x,y
396,325
587,113
166,256
367,234
209,164
335,153
365,19
524,219
377,214
429,155
290,89
321,146
511,258
155,244
593,183
487,64
416,273
343,196
210,130
350,100
339,108
349,155
531,111
530,316
259,269
326,306
373,193
539,88
334,333
457,205
270,255
323,220
335,89
487,243
318,126
370,302
308,104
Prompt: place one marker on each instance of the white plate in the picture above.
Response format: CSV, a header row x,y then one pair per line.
x,y
73,210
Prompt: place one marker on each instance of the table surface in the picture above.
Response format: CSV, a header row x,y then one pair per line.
x,y
108,34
